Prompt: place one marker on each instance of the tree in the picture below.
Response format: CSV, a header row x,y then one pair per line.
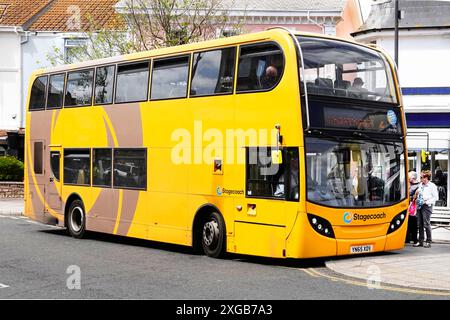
x,y
149,24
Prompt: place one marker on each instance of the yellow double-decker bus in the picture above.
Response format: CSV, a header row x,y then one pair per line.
x,y
271,144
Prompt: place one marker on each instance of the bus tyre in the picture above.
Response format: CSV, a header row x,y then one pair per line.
x,y
213,235
76,219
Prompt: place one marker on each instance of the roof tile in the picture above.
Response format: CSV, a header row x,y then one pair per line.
x,y
18,12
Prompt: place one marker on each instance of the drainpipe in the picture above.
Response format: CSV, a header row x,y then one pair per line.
x,y
22,89
315,22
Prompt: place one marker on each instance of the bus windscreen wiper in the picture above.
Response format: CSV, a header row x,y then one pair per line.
x,y
365,136
326,135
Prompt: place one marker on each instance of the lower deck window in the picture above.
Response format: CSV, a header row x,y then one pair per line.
x,y
77,166
273,173
130,168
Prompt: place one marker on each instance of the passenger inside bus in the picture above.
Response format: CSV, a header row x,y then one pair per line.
x,y
270,77
357,90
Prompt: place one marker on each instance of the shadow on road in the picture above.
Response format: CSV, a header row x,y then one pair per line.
x,y
93,236
289,263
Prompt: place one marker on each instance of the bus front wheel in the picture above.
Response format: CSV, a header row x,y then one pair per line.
x,y
76,219
213,235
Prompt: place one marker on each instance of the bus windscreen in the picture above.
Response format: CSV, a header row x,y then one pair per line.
x,y
341,69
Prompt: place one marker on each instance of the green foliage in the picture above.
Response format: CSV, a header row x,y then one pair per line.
x,y
11,169
150,24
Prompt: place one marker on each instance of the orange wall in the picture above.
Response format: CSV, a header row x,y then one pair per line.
x,y
351,19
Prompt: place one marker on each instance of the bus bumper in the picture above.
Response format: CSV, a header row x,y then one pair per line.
x,y
305,242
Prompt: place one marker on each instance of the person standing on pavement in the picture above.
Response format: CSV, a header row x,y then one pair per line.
x,y
426,196
411,234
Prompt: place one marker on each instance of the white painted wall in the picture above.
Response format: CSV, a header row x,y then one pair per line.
x,y
10,91
423,62
35,52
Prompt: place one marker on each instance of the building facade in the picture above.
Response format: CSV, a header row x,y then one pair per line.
x,y
424,68
30,31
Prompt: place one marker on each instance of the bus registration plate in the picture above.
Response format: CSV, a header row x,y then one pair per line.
x,y
361,249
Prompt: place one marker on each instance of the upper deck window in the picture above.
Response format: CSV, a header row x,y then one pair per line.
x,y
79,88
213,72
260,67
37,99
55,91
170,78
132,82
104,85
338,68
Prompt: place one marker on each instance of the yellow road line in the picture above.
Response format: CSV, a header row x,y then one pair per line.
x,y
307,271
382,287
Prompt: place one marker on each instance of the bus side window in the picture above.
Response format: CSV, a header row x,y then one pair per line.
x,y
260,67
269,179
79,88
77,166
54,163
213,72
132,82
102,167
55,91
170,78
104,85
130,168
38,91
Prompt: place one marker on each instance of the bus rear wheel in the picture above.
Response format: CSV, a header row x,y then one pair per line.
x,y
213,235
76,219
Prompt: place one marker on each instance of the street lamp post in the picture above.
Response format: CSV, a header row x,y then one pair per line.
x,y
396,33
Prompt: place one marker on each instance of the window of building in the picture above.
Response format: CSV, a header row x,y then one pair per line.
x,y
104,85
54,163
260,67
102,167
130,168
228,33
273,173
77,166
437,162
132,82
38,157
170,78
213,72
55,91
38,91
72,48
79,88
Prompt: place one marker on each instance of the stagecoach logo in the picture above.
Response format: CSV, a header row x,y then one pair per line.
x,y
220,191
348,217
392,117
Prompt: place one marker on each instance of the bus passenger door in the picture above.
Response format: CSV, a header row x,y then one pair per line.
x,y
53,180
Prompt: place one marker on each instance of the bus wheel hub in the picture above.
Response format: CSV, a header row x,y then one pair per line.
x,y
210,233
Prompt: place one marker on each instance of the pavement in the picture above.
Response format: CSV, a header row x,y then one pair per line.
x,y
11,207
415,268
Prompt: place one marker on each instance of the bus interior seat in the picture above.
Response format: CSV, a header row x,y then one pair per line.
x,y
340,87
325,86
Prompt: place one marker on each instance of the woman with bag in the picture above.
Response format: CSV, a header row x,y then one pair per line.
x,y
411,233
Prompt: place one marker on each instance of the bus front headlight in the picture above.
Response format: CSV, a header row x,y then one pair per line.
x,y
321,225
397,222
